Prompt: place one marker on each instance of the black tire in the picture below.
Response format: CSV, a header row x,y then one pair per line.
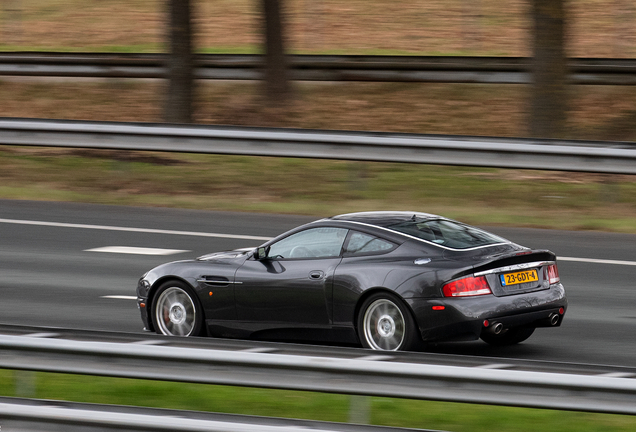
x,y
509,336
385,323
176,311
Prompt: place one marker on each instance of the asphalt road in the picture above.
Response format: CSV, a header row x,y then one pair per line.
x,y
49,276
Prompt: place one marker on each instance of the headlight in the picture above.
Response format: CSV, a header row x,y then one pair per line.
x,y
143,286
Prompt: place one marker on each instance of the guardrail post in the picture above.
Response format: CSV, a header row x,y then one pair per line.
x,y
359,178
609,189
359,409
24,383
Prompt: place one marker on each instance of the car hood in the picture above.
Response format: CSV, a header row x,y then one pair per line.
x,y
190,269
226,256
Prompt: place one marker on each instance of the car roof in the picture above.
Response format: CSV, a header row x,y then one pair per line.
x,y
384,218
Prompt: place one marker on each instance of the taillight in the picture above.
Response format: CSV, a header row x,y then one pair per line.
x,y
469,286
552,274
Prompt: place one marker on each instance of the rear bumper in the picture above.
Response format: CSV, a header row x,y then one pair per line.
x,y
463,318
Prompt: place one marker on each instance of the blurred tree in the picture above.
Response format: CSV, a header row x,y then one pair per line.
x,y
472,11
180,64
277,86
11,30
548,105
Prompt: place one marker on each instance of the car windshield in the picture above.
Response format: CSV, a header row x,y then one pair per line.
x,y
447,233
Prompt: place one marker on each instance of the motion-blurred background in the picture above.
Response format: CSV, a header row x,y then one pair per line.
x,y
545,29
541,33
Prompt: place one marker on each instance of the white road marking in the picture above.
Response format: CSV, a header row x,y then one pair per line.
x,y
42,335
617,375
494,366
136,250
259,350
149,342
119,297
127,229
597,261
375,358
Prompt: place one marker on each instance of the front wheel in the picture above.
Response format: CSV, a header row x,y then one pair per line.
x,y
509,336
385,324
175,312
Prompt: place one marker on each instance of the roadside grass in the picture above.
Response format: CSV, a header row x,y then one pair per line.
x,y
308,405
238,49
132,49
483,196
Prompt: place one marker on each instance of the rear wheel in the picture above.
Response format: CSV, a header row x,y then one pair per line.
x,y
509,336
175,311
385,323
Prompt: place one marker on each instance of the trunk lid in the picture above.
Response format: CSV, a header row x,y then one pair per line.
x,y
517,273
509,269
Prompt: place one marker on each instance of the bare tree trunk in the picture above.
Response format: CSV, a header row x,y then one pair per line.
x,y
277,86
623,28
180,64
471,24
548,104
12,16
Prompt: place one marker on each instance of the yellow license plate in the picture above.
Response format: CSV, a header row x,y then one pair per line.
x,y
519,277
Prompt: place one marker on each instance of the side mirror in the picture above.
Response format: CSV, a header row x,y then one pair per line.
x,y
260,253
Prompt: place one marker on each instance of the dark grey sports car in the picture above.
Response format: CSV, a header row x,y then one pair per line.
x,y
386,280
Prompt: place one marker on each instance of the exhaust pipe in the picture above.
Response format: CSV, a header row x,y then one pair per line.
x,y
554,319
496,328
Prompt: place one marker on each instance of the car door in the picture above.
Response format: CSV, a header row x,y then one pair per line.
x,y
364,265
293,286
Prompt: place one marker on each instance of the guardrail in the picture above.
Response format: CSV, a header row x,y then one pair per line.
x,y
367,377
584,156
296,349
39,415
486,70
29,417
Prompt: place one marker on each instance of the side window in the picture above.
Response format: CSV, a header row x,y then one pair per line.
x,y
323,242
360,243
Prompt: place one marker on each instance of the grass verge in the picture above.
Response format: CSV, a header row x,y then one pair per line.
x,y
320,187
313,406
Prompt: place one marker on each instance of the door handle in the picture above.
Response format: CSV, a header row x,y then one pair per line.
x,y
316,275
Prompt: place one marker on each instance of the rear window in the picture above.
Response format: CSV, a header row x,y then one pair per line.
x,y
448,233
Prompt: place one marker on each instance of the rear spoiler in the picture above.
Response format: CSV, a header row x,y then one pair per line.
x,y
513,258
